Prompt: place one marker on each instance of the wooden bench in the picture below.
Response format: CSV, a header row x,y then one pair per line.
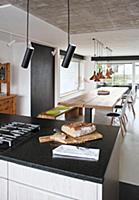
x,y
70,112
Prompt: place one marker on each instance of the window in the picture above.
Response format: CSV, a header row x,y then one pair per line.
x,y
137,73
71,79
122,74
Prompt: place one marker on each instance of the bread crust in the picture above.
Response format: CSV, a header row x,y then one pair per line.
x,y
78,129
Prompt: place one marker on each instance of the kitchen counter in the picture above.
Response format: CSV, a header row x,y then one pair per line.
x,y
32,154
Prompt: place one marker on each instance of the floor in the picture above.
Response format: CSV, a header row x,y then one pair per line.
x,y
129,156
128,191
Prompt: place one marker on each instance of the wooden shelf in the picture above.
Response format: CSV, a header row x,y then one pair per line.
x,y
5,76
8,104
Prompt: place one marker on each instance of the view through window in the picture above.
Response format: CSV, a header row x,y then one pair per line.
x,y
71,78
137,73
122,74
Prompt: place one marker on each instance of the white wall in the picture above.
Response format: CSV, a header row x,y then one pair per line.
x,y
6,56
5,52
19,77
41,32
89,69
13,26
13,20
21,81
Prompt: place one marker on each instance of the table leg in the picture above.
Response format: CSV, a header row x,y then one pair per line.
x,y
88,114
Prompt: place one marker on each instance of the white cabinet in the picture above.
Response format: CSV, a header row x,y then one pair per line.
x,y
55,186
3,169
19,182
22,192
3,189
3,180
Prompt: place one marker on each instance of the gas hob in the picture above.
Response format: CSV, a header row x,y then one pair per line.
x,y
15,132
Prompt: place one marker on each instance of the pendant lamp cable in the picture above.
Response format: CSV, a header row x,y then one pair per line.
x,y
27,23
68,22
94,46
71,47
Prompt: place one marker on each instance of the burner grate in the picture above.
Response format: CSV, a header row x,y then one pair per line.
x,y
15,131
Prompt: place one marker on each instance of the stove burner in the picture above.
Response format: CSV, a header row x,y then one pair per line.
x,y
15,132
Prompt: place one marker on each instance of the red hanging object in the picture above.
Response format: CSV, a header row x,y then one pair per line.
x,y
108,74
100,74
95,77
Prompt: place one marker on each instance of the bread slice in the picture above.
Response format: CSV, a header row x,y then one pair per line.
x,y
78,129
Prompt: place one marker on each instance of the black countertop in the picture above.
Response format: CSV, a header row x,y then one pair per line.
x,y
33,154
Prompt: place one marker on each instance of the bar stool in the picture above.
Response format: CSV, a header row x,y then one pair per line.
x,y
130,105
119,107
131,99
121,117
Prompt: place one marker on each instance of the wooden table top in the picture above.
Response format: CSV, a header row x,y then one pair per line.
x,y
93,100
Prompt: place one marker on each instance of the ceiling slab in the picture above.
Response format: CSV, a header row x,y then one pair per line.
x,y
86,15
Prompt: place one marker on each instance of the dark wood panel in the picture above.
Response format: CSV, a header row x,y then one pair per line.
x,y
42,79
128,191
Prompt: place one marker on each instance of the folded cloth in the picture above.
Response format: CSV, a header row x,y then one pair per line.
x,y
74,152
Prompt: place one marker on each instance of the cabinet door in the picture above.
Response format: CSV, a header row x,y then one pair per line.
x,y
3,189
72,188
3,169
22,192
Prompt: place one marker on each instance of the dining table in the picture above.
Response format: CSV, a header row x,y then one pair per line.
x,y
102,100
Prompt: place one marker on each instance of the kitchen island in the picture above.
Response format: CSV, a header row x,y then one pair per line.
x,y
28,171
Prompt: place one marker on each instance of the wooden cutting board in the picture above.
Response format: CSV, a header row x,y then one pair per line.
x,y
65,139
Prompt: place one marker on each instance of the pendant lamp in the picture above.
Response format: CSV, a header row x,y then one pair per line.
x,y
29,50
71,48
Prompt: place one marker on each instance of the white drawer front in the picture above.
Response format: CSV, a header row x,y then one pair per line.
x,y
3,189
3,169
22,192
70,187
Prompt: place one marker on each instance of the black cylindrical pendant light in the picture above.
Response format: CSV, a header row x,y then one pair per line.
x,y
71,48
29,50
27,57
69,53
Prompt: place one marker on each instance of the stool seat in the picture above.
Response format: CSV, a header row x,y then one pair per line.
x,y
124,96
113,114
121,120
118,106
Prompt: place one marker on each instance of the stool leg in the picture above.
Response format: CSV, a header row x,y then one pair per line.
x,y
126,117
133,110
132,99
112,120
121,126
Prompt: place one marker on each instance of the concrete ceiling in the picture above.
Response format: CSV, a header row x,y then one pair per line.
x,y
120,31
86,15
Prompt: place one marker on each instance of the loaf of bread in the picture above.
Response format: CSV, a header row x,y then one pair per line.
x,y
78,129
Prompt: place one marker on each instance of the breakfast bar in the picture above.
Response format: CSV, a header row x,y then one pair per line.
x,y
28,170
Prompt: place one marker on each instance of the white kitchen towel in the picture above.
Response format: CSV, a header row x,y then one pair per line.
x,y
74,152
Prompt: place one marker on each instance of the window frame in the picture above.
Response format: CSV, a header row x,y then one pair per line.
x,y
79,89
